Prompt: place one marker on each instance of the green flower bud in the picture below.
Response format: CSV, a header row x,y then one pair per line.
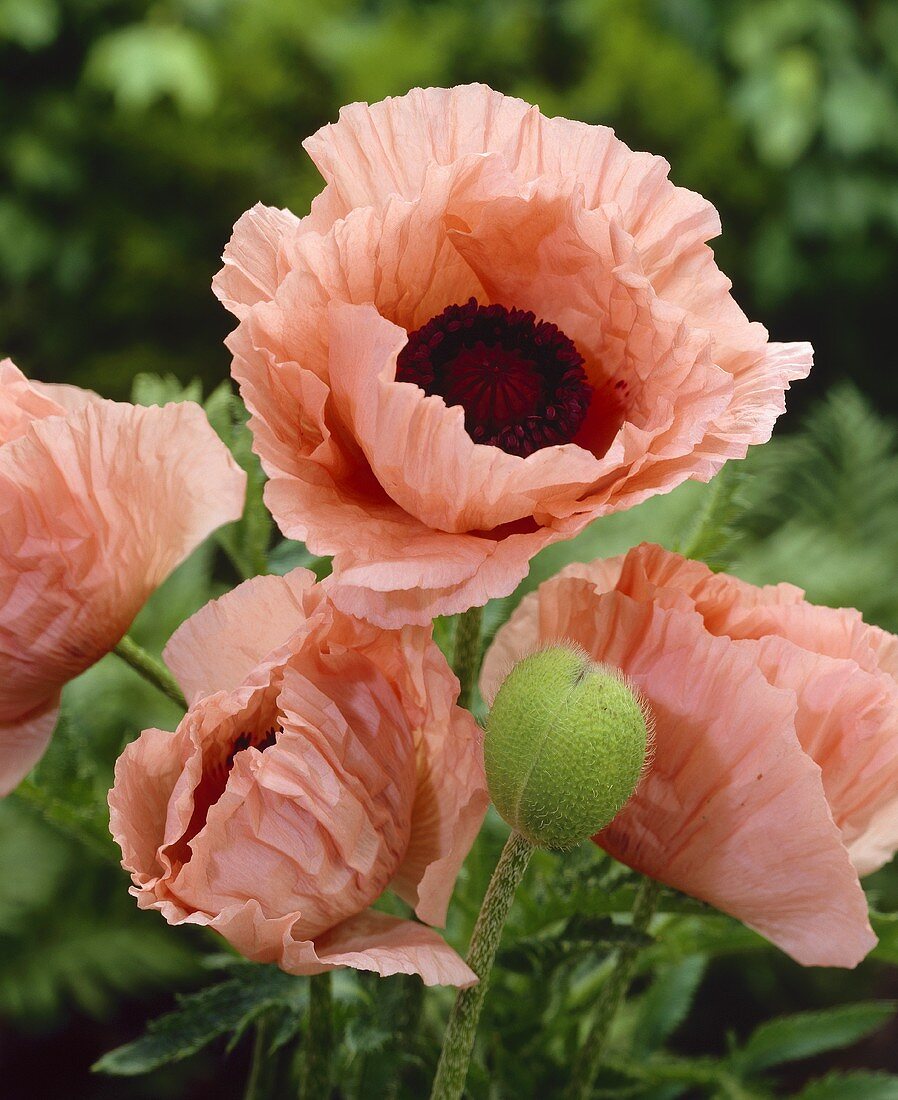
x,y
565,745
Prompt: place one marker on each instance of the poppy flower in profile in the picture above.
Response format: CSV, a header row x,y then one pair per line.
x,y
322,760
775,770
99,501
491,328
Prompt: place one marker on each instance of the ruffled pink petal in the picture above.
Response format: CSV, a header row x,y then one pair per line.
x,y
21,401
70,398
318,823
370,940
847,721
733,810
218,647
142,818
388,945
446,575
23,742
252,268
385,149
96,509
451,799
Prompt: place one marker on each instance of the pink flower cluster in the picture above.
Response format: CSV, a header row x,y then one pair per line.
x,y
492,328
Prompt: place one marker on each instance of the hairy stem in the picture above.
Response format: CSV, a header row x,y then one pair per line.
x,y
316,1078
466,653
611,997
151,669
263,1068
459,1041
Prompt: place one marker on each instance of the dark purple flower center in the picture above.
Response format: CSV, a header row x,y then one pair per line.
x,y
520,381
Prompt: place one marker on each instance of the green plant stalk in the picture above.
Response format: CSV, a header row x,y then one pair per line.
x,y
263,1068
466,653
611,997
151,669
317,1068
458,1043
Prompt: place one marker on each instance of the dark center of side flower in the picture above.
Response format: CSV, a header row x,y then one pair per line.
x,y
520,381
213,782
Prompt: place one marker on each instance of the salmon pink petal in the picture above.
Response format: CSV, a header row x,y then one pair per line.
x,y
386,148
451,800
23,742
21,401
96,509
217,648
318,822
252,269
146,775
847,722
451,574
388,945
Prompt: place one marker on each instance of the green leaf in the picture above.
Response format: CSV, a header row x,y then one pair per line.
x,y
791,1038
229,1007
715,535
666,1004
885,925
577,938
861,1085
158,389
246,541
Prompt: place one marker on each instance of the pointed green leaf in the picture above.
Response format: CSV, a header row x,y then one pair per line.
x,y
791,1038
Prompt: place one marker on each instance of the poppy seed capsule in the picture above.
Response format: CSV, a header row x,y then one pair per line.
x,y
565,746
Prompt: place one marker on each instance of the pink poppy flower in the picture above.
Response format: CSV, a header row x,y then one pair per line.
x,y
775,771
322,760
491,328
99,501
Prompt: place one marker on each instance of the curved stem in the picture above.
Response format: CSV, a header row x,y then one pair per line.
x,y
151,669
466,653
611,997
262,1068
316,1078
459,1041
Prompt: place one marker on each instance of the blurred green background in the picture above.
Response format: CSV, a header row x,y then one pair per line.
x,y
132,136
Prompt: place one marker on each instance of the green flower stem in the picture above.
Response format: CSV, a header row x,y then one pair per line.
x,y
316,1077
151,669
263,1068
466,653
452,1070
611,997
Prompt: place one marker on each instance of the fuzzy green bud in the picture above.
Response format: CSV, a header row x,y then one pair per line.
x,y
565,745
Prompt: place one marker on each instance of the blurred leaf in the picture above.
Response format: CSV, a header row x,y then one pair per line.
x,y
715,536
666,1003
30,23
791,1038
861,1085
156,389
144,63
201,1017
579,937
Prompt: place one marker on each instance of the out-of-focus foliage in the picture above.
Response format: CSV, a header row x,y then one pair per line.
x,y
134,135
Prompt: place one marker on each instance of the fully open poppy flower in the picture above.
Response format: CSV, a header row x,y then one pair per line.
x,y
99,501
775,771
491,328
322,760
